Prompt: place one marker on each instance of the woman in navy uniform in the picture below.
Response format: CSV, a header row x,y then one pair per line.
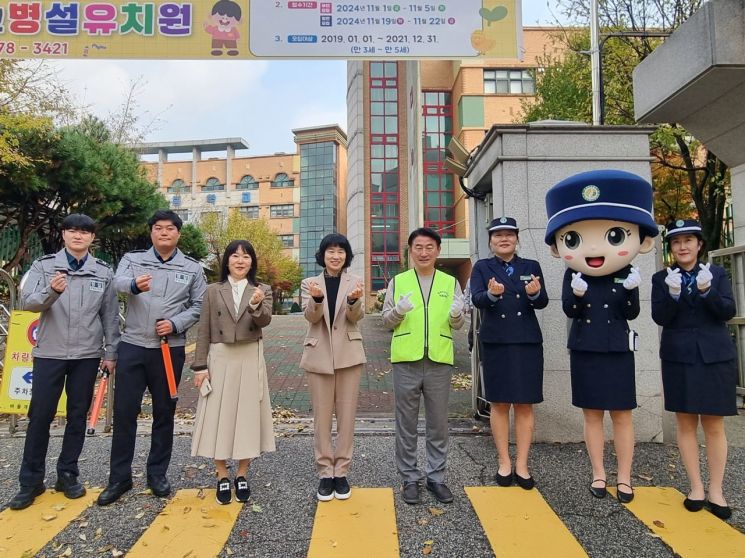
x,y
692,302
598,222
508,289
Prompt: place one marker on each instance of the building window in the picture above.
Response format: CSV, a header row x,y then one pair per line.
x,y
439,195
288,240
213,185
248,182
284,210
282,181
318,200
385,255
183,213
250,212
511,82
178,186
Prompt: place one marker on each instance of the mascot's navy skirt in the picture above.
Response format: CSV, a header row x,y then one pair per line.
x,y
603,381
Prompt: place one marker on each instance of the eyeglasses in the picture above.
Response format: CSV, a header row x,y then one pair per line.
x,y
426,248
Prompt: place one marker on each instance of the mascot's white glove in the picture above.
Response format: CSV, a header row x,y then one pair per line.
x,y
633,280
579,285
704,277
674,281
404,305
456,308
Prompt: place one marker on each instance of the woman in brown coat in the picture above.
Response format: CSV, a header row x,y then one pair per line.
x,y
234,415
333,357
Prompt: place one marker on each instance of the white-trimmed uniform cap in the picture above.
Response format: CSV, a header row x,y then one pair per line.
x,y
684,226
503,223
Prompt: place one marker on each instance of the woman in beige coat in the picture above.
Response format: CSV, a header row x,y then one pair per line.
x,y
234,415
333,357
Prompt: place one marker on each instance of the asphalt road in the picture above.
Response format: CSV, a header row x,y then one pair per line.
x,y
284,484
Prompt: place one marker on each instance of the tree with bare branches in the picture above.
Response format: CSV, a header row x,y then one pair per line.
x,y
688,178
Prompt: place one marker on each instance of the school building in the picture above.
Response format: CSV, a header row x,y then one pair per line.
x,y
383,178
401,117
214,177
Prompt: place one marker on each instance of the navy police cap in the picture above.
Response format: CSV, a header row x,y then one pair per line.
x,y
503,223
602,194
684,226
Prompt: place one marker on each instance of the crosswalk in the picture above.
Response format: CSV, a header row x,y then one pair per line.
x,y
516,523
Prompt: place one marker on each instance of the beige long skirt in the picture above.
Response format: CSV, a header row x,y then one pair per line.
x,y
234,421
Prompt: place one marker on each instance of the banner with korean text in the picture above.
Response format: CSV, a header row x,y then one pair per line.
x,y
244,29
17,379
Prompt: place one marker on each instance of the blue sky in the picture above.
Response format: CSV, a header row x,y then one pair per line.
x,y
260,101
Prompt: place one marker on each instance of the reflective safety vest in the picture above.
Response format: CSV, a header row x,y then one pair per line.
x,y
425,330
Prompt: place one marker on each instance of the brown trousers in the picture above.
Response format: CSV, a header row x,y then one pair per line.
x,y
334,393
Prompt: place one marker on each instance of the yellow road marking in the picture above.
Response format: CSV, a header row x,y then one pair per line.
x,y
189,525
364,525
520,523
25,532
690,535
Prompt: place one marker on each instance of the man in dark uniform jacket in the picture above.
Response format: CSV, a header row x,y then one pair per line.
x,y
165,290
79,325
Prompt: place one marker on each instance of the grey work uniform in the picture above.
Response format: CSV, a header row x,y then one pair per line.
x,y
176,291
76,329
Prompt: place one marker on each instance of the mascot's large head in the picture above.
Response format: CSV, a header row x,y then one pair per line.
x,y
598,221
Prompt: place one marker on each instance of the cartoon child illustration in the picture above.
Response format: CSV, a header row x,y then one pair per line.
x,y
223,26
598,221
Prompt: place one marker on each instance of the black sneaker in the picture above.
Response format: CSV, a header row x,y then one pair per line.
x,y
341,488
223,494
242,490
326,489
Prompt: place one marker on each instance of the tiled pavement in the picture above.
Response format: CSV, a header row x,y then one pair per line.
x,y
283,346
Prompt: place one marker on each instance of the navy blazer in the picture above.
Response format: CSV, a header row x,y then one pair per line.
x,y
695,322
511,318
599,317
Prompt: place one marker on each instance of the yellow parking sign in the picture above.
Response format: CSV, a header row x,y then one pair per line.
x,y
17,379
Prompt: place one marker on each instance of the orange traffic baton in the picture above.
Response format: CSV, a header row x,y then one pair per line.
x,y
168,364
98,401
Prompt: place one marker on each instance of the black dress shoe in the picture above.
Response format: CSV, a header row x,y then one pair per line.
x,y
624,497
503,480
722,512
694,505
598,491
440,491
68,484
26,496
113,492
159,485
410,492
524,483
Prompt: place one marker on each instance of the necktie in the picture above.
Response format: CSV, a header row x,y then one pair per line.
x,y
689,278
509,269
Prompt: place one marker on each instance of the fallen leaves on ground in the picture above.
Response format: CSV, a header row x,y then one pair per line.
x,y
436,511
281,414
461,381
427,549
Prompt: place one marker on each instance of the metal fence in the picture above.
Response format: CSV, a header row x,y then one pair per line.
x,y
733,260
